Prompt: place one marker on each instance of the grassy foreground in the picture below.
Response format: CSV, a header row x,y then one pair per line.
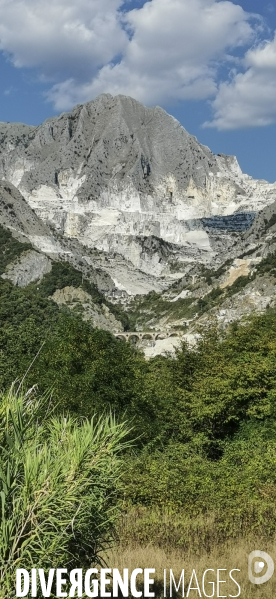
x,y
230,555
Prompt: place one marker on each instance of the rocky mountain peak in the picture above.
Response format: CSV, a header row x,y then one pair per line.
x,y
112,174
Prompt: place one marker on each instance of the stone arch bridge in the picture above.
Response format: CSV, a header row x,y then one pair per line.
x,y
144,335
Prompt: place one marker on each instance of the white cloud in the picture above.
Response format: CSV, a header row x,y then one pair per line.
x,y
61,37
166,50
173,53
120,79
249,100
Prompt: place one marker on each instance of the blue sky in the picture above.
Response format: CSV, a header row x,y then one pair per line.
x,y
210,63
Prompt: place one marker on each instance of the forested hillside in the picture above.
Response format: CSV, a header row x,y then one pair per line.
x,y
195,417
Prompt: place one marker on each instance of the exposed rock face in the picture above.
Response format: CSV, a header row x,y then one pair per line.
x,y
113,174
17,215
79,300
254,298
264,226
30,267
239,268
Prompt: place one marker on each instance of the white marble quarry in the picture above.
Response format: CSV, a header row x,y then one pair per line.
x,y
113,173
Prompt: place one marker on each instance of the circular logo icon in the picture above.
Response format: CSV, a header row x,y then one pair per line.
x,y
260,567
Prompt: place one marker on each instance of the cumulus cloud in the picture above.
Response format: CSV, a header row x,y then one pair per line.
x,y
174,50
62,38
249,98
164,51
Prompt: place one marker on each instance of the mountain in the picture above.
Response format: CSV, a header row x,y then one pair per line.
x,y
17,215
130,199
118,177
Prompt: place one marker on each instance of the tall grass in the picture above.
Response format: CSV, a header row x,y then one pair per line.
x,y
57,486
149,537
178,528
233,554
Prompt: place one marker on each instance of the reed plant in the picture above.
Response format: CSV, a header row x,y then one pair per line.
x,y
58,479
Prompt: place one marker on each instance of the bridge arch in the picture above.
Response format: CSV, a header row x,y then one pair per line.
x,y
121,337
134,336
148,336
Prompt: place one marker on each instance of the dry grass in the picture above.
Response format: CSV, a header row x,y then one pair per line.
x,y
228,556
